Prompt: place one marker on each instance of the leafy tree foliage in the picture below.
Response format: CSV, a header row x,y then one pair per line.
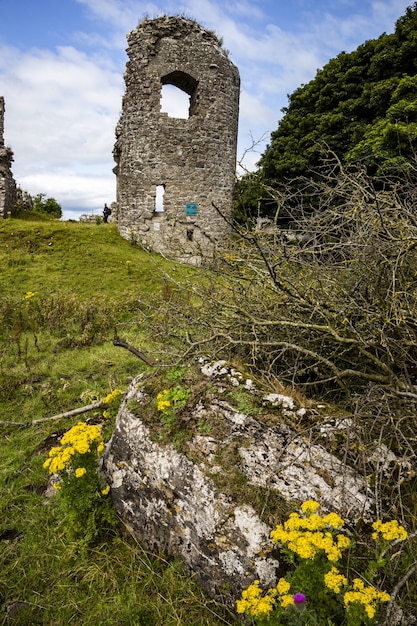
x,y
50,206
362,106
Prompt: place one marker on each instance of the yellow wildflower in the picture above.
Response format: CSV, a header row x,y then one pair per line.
x,y
370,610
77,440
283,586
278,534
383,596
310,506
389,530
293,522
367,596
286,600
334,580
29,294
106,490
342,541
80,471
263,606
333,520
250,598
111,396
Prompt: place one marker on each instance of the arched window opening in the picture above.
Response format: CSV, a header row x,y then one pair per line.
x,y
175,102
178,94
159,199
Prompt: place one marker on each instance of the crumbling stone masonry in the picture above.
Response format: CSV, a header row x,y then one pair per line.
x,y
7,182
10,194
171,171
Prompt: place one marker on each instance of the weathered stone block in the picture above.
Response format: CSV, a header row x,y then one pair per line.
x,y
205,502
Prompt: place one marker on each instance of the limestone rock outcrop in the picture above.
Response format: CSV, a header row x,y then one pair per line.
x,y
204,498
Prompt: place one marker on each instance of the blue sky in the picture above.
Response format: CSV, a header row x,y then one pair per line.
x,y
62,64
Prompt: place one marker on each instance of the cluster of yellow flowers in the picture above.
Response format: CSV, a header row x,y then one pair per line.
x,y
334,580
111,396
253,602
282,588
368,596
80,439
162,402
309,534
389,531
29,294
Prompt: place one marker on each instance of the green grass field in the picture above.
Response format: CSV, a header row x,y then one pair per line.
x,y
66,289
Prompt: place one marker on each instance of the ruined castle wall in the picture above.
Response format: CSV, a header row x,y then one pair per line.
x,y
7,182
2,109
192,160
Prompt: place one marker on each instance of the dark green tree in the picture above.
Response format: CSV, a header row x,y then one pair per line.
x,y
50,206
361,106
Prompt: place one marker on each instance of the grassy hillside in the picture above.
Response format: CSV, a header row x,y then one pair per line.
x,y
66,289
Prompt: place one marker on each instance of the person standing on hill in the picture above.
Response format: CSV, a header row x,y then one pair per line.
x,y
106,213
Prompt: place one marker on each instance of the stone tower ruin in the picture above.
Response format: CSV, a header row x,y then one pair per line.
x,y
171,171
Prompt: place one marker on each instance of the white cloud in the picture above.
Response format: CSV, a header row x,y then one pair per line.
x,y
62,104
256,120
61,110
125,15
385,13
76,193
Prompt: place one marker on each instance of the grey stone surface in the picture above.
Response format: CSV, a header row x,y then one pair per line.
x,y
172,502
7,182
10,193
193,160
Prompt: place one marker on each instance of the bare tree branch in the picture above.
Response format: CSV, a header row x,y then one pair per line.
x,y
83,409
133,350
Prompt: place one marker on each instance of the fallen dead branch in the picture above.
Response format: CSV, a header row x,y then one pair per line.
x,y
99,404
123,344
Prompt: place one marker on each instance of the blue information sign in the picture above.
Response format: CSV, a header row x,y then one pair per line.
x,y
191,208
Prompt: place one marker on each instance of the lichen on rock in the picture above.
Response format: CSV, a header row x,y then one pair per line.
x,y
208,492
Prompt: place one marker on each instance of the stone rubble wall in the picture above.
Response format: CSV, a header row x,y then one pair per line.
x,y
194,159
10,193
7,182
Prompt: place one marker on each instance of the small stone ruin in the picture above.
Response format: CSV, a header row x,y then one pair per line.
x,y
176,175
7,182
10,193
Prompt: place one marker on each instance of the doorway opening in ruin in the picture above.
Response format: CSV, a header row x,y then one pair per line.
x,y
178,94
159,199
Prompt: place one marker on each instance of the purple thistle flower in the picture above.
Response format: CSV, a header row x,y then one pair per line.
x,y
299,598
